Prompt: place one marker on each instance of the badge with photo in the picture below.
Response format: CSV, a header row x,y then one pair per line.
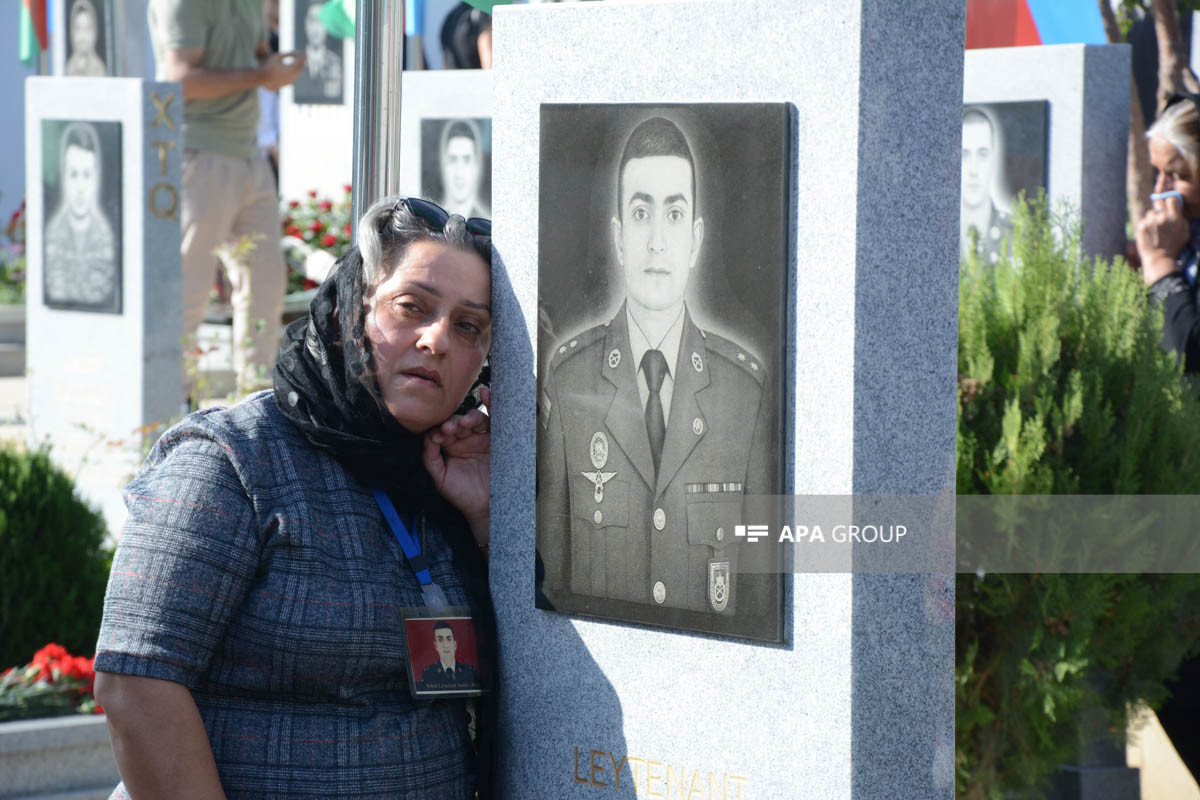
x,y
1004,153
443,656
322,81
81,191
663,273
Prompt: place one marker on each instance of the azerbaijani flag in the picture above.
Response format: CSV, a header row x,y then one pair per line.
x,y
1014,23
32,30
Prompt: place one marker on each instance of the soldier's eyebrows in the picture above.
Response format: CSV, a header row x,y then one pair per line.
x,y
645,198
429,289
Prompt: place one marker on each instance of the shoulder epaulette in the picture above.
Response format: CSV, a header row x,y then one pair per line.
x,y
735,354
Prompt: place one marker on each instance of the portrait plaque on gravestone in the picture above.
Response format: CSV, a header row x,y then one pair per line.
x,y
88,42
321,82
456,164
1003,155
662,275
81,179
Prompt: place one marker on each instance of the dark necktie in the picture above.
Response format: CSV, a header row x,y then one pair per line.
x,y
655,367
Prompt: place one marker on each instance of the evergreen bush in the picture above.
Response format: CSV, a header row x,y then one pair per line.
x,y
53,563
1063,389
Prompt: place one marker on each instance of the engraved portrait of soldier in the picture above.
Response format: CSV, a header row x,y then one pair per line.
x,y
658,418
322,81
87,49
456,164
82,196
1003,155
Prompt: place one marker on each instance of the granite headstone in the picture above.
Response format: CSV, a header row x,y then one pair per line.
x,y
858,701
104,339
1087,87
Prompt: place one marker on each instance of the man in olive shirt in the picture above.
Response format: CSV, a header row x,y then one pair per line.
x,y
218,50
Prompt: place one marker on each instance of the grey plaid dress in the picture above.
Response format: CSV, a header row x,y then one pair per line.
x,y
257,572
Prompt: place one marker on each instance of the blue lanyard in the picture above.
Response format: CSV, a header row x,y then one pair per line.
x,y
408,542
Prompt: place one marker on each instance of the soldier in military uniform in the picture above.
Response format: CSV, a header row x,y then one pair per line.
x,y
982,226
447,672
652,430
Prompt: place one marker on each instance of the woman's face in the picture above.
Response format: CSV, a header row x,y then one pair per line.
x,y
430,326
1174,174
80,180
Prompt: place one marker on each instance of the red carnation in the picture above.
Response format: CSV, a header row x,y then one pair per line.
x,y
293,203
348,188
326,205
329,240
292,230
312,193
317,226
347,228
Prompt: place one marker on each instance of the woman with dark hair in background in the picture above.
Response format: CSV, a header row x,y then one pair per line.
x,y
253,638
1168,237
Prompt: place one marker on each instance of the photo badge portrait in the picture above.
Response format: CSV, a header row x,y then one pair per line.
x,y
443,657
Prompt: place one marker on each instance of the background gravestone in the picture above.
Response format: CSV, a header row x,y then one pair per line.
x,y
858,702
433,100
1087,87
104,370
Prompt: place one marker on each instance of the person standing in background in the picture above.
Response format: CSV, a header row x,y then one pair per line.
x,y
268,100
218,51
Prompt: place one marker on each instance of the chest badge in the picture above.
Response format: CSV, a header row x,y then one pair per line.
x,y
614,358
697,362
718,585
598,479
598,450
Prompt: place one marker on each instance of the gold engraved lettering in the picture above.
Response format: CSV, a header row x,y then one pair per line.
x,y
162,146
576,770
633,764
596,768
714,786
162,110
164,210
650,765
617,767
693,789
682,776
739,783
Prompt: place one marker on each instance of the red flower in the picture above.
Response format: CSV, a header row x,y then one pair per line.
x,y
317,226
348,188
312,193
347,228
293,203
329,240
325,205
309,283
48,654
292,230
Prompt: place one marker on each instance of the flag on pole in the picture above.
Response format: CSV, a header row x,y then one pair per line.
x,y
488,5
338,18
32,32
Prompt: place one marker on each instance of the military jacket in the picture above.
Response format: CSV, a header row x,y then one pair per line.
x,y
607,525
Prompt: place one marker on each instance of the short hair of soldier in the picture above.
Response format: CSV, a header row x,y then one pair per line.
x,y
655,137
459,130
442,624
975,113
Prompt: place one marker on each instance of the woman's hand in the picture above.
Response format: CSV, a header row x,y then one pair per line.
x,y
1161,235
458,455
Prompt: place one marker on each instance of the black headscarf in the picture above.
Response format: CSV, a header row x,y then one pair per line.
x,y
324,385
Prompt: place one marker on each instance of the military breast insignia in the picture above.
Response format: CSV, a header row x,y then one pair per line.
x,y
598,479
718,585
598,449
697,362
614,358
697,426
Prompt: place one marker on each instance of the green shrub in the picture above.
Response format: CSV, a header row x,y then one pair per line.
x,y
1063,389
53,564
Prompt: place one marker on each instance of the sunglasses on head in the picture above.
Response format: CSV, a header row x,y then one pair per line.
x,y
437,217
